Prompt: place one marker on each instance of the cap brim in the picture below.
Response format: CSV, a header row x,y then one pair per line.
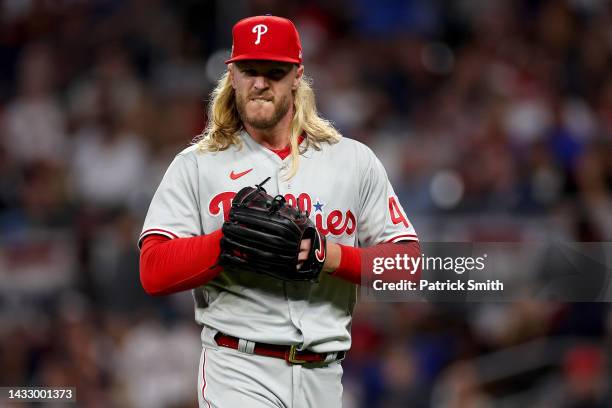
x,y
263,57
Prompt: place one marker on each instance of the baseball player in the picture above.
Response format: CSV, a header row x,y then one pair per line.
x,y
267,219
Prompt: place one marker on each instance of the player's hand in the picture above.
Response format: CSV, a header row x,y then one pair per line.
x,y
304,250
333,255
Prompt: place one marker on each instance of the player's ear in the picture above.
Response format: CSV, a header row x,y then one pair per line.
x,y
298,76
230,73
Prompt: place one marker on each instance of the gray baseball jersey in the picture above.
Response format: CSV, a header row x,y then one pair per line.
x,y
345,190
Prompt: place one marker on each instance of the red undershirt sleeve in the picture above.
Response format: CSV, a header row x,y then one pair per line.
x,y
350,258
174,265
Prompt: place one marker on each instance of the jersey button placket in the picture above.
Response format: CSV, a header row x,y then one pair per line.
x,y
291,289
296,308
283,184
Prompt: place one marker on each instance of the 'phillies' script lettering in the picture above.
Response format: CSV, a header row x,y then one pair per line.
x,y
335,222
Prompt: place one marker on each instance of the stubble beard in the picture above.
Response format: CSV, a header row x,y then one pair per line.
x,y
280,110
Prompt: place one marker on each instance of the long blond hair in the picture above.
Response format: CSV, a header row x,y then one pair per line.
x,y
224,123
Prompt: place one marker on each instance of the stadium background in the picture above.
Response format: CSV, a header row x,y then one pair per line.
x,y
493,119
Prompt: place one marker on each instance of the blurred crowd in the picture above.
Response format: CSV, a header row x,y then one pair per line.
x,y
493,120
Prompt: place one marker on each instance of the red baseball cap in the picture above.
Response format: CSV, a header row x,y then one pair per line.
x,y
266,38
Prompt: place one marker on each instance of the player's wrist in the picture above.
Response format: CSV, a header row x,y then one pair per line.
x,y
334,255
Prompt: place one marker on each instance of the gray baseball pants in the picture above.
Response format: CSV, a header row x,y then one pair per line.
x,y
230,378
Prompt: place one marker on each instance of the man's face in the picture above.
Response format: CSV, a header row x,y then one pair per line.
x,y
264,90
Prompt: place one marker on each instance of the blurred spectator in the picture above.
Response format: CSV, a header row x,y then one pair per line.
x,y
167,357
108,163
34,124
585,375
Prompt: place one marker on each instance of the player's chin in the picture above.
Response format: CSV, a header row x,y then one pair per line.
x,y
261,120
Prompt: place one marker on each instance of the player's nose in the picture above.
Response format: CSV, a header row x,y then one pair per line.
x,y
260,82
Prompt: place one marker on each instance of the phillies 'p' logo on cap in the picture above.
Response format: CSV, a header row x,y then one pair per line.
x,y
268,38
260,29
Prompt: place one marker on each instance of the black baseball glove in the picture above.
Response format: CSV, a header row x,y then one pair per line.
x,y
263,234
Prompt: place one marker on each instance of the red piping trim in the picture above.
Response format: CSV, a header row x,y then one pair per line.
x,y
158,230
399,237
204,379
154,231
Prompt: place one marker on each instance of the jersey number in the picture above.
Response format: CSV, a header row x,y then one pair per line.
x,y
397,216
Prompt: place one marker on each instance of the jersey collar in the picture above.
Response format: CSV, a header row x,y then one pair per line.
x,y
281,153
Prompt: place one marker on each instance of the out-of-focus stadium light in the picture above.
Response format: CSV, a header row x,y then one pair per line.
x,y
446,189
